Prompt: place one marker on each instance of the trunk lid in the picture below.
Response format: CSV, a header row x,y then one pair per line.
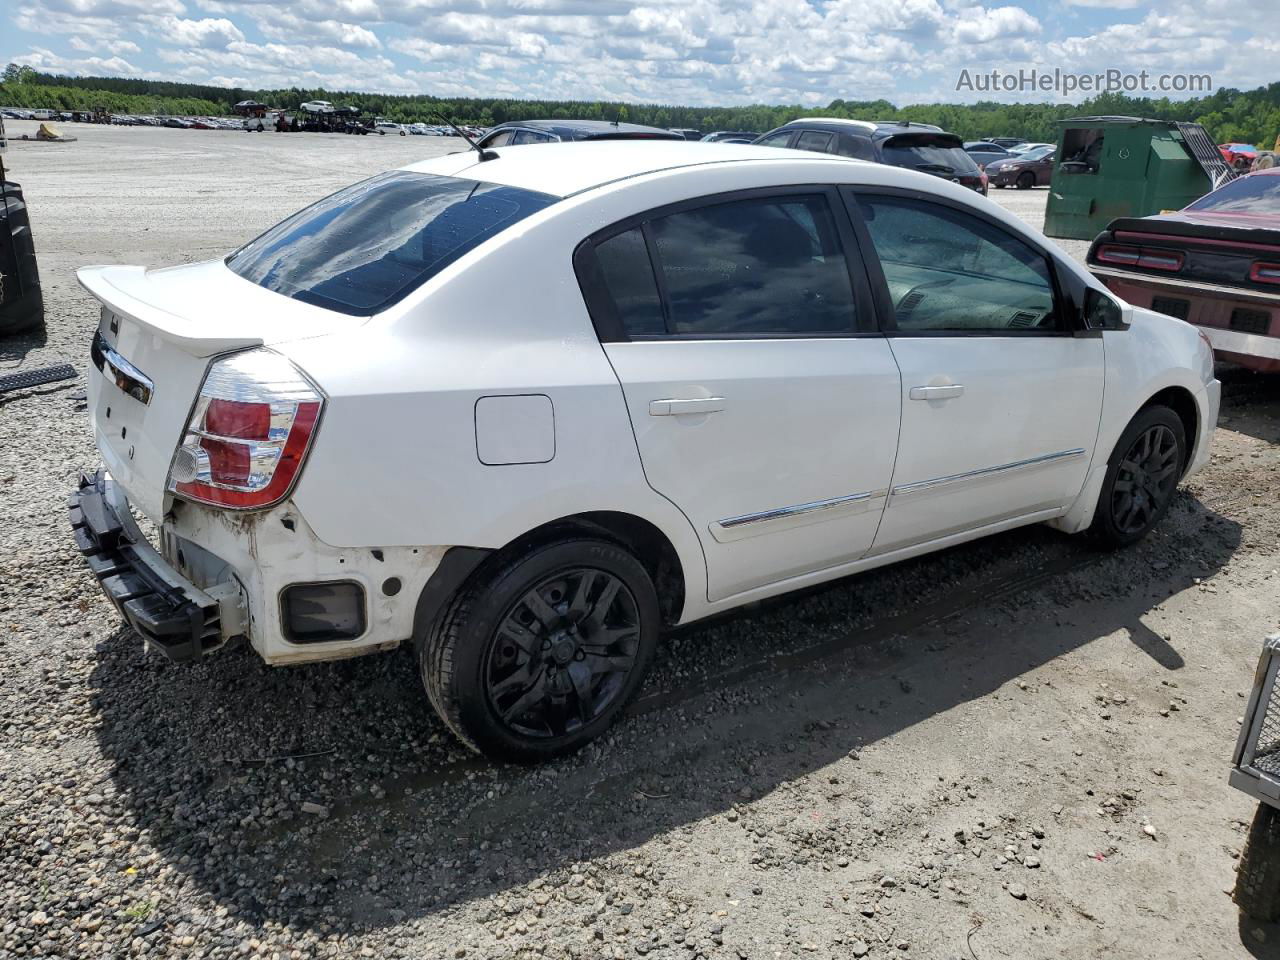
x,y
158,331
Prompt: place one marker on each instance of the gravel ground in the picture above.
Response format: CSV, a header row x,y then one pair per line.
x,y
958,757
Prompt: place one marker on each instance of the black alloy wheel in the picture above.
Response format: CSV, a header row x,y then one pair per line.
x,y
542,648
562,653
1142,477
1146,479
1026,180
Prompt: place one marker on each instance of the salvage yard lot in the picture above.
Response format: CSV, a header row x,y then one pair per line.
x,y
952,757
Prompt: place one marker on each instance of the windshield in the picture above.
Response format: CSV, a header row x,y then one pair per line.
x,y
1258,194
370,245
1039,153
931,152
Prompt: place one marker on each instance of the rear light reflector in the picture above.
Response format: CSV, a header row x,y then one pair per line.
x,y
248,434
1140,257
1265,273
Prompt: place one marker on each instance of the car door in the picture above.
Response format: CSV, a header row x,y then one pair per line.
x,y
1001,397
764,403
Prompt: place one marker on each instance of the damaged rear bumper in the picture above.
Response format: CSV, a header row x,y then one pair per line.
x,y
172,614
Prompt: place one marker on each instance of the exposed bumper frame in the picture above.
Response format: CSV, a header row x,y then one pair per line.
x,y
172,614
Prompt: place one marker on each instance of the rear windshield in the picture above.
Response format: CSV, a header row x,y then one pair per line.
x,y
1258,194
370,245
922,151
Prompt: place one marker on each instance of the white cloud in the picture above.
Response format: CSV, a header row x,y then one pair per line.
x,y
670,51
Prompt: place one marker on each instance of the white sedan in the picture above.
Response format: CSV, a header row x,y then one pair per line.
x,y
526,409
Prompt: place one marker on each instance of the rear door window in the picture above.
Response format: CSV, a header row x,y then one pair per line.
x,y
628,274
366,247
857,147
814,140
752,267
531,136
779,139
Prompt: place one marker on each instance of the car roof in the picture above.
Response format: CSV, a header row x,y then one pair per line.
x,y
830,123
564,169
585,128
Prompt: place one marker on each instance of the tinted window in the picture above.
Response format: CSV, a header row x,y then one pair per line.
x,y
857,147
767,266
776,139
499,139
1259,193
531,136
814,140
368,246
628,275
949,271
922,151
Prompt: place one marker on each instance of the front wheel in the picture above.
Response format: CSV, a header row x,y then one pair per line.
x,y
542,651
1142,475
1257,890
1026,181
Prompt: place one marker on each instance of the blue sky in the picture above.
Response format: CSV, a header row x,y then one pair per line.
x,y
669,51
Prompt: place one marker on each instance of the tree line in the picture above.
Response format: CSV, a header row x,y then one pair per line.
x,y
1250,116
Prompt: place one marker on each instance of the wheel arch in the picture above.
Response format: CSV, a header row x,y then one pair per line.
x,y
642,537
1183,403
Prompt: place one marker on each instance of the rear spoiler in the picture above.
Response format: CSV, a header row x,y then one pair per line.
x,y
122,290
1194,231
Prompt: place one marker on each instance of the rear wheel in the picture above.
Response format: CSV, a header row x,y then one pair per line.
x,y
541,652
1142,475
1026,180
1257,891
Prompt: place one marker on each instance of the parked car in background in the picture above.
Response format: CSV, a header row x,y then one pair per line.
x,y
730,136
985,152
517,132
688,133
383,127
1034,168
1007,142
43,114
915,146
1239,155
541,492
1027,147
1215,264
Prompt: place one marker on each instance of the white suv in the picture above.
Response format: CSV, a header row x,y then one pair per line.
x,y
525,409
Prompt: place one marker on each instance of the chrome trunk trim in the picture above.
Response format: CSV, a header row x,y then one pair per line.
x,y
120,371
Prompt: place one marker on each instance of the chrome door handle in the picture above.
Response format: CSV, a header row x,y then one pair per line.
x,y
937,393
675,407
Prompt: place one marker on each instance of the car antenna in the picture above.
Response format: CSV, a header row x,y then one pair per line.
x,y
484,154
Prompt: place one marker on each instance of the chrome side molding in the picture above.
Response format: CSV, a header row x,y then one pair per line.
x,y
984,474
120,371
802,514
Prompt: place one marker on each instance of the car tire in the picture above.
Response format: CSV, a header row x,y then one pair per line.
x,y
998,186
1149,456
1026,180
543,648
1257,889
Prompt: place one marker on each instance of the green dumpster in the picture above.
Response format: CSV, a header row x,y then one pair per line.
x,y
1112,167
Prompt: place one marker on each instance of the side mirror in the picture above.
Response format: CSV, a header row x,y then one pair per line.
x,y
1101,311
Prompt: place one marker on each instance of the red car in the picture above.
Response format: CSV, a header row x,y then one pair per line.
x,y
1215,264
1240,156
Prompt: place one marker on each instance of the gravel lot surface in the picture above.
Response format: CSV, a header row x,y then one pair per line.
x,y
957,757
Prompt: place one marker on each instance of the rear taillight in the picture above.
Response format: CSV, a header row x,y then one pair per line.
x,y
1265,273
248,434
1140,257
